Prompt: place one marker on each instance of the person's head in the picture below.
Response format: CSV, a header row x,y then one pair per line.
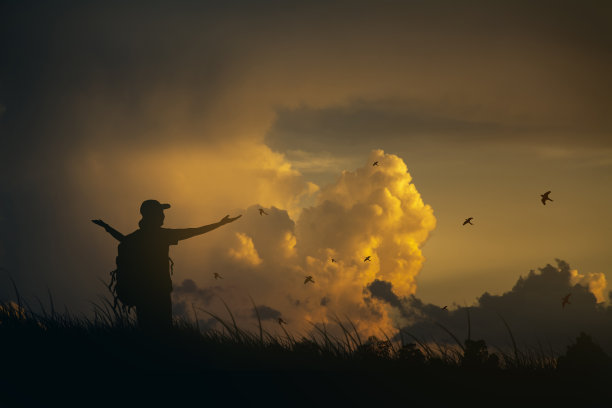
x,y
152,213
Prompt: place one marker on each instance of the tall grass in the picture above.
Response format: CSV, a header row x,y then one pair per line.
x,y
111,320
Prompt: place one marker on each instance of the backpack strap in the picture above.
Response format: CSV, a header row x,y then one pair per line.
x,y
112,287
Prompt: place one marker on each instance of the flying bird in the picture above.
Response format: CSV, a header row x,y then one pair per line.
x,y
308,279
468,221
217,276
565,300
281,321
262,212
545,197
375,163
367,258
333,260
445,308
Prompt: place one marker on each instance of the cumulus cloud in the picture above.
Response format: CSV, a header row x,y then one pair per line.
x,y
246,251
596,282
532,309
373,211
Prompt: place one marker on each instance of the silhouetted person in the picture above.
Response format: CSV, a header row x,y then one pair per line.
x,y
545,197
565,300
217,276
468,221
262,212
308,279
149,248
367,258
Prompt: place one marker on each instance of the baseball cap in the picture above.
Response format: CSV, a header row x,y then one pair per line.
x,y
149,206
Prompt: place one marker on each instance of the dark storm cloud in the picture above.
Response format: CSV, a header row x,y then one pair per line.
x,y
70,64
532,310
357,125
188,291
384,290
190,301
266,313
474,72
189,287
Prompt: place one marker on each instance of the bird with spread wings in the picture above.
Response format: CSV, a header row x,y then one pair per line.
x,y
565,300
545,197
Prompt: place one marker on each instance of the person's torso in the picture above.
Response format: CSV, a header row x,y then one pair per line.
x,y
149,250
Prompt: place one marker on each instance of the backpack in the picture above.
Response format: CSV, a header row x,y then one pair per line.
x,y
128,277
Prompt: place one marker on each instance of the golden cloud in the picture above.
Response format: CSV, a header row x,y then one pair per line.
x,y
596,282
246,251
373,211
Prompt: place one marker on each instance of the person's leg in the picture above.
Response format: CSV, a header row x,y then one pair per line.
x,y
146,317
165,311
156,314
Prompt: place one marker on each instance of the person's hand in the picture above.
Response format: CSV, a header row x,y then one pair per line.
x,y
227,219
100,223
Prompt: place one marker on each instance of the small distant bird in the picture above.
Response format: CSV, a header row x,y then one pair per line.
x,y
375,163
367,258
545,197
468,221
333,260
281,321
217,276
445,308
565,300
308,279
262,212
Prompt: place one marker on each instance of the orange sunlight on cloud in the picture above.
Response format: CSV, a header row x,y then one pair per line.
x,y
372,212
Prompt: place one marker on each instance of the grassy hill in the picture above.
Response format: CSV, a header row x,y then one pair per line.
x,y
51,358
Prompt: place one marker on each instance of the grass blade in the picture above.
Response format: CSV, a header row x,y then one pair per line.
x,y
516,353
453,336
258,321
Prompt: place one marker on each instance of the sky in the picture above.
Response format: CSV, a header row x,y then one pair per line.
x,y
472,109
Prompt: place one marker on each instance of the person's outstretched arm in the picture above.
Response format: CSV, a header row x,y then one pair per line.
x,y
184,233
116,234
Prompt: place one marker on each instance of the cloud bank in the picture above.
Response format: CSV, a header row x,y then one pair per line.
x,y
532,308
